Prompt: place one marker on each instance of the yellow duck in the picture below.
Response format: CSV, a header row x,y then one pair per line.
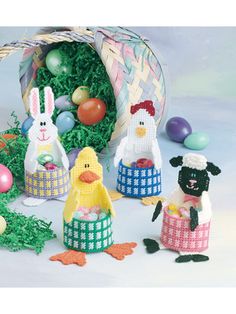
x,y
87,189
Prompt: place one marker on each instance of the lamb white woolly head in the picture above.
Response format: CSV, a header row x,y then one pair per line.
x,y
195,161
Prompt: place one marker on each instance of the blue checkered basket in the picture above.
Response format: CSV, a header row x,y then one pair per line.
x,y
138,182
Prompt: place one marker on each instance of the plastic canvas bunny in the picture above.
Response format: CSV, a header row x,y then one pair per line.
x,y
43,184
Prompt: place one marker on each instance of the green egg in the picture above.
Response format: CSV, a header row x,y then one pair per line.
x,y
44,158
58,62
196,141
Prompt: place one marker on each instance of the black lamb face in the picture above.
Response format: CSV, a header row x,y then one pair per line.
x,y
193,181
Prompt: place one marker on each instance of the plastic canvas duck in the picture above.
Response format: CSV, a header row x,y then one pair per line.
x,y
186,218
87,186
138,155
82,235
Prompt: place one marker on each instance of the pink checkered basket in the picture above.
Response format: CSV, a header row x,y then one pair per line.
x,y
176,234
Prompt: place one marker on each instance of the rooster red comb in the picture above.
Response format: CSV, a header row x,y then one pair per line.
x,y
147,105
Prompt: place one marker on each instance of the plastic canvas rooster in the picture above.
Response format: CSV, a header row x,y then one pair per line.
x,y
141,141
138,155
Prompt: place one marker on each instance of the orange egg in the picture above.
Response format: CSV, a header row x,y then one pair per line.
x,y
91,111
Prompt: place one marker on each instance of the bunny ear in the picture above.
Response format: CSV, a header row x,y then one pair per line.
x,y
49,100
34,102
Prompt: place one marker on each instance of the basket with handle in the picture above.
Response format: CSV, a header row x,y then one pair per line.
x,y
135,72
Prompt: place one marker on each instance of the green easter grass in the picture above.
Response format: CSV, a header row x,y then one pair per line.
x,y
87,70
12,156
24,232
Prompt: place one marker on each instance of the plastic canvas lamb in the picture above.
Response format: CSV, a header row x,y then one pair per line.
x,y
46,163
138,155
187,215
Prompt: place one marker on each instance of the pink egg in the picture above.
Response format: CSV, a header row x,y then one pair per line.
x,y
175,216
95,209
6,179
85,217
84,210
184,212
50,166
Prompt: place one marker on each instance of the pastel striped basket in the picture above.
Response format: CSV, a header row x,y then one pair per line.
x,y
135,72
138,182
176,234
48,184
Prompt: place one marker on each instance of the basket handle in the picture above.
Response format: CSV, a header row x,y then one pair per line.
x,y
80,35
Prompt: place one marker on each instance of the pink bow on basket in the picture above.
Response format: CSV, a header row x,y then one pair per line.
x,y
191,198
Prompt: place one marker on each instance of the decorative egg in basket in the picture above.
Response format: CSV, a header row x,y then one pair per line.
x,y
115,64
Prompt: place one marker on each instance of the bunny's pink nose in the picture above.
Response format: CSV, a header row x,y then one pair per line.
x,y
192,182
43,130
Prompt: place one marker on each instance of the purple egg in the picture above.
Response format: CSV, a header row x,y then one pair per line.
x,y
72,155
178,129
63,103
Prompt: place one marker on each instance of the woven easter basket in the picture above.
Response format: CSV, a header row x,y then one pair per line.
x,y
176,234
88,236
135,72
48,184
138,182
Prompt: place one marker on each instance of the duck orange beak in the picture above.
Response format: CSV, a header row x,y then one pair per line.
x,y
88,177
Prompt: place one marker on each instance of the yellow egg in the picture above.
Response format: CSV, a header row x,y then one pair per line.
x,y
80,95
3,225
172,207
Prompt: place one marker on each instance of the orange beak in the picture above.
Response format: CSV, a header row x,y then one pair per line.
x,y
140,131
88,177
